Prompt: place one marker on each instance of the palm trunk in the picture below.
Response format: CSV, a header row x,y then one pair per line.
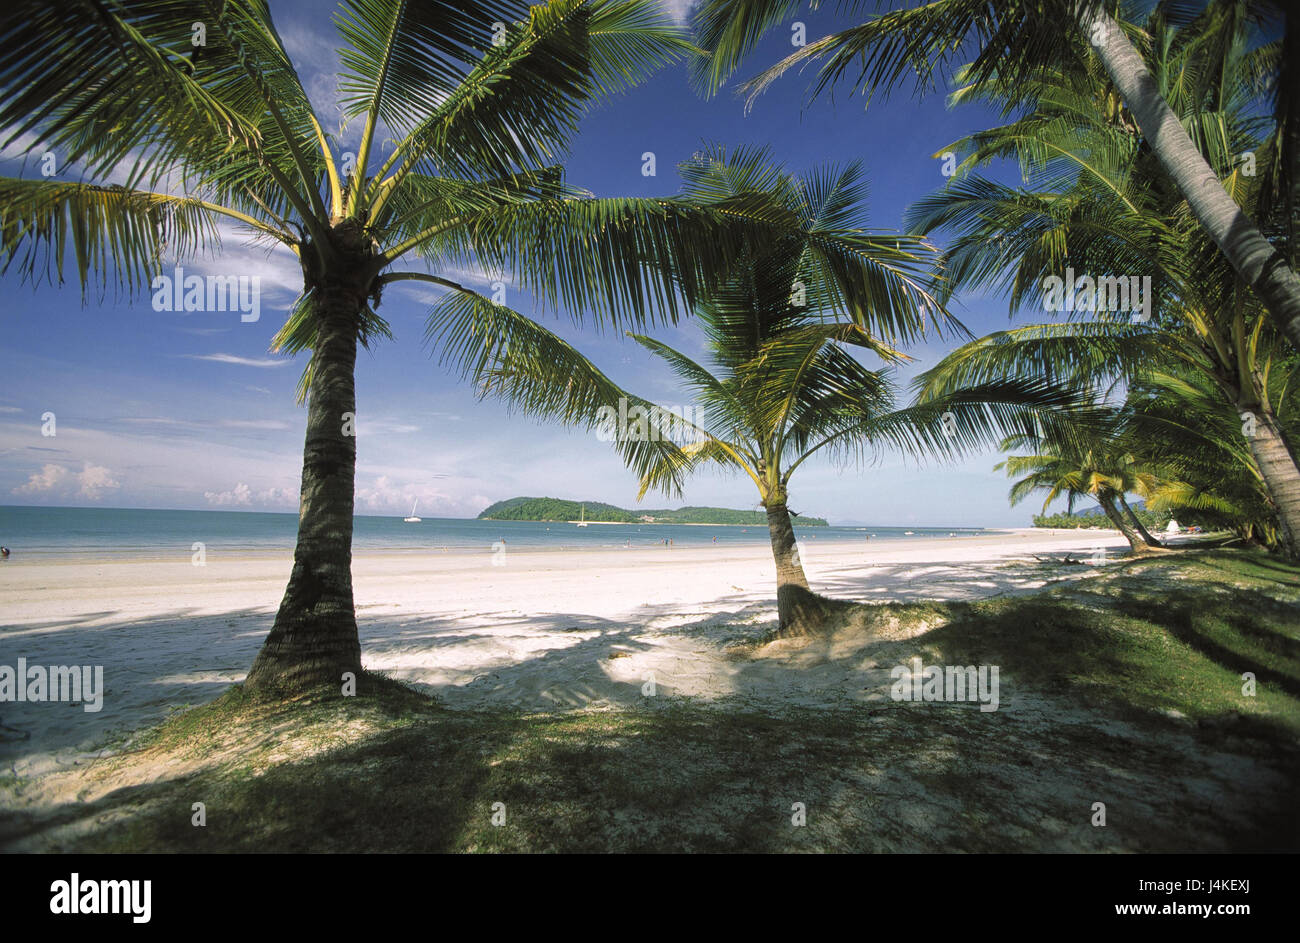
x,y
1255,260
314,638
1137,523
1277,466
799,610
1135,541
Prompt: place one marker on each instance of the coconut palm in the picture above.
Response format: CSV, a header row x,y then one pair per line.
x,y
783,382
184,115
1013,42
1179,426
1098,203
1102,470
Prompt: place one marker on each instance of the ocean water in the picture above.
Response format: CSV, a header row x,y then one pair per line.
x,y
64,533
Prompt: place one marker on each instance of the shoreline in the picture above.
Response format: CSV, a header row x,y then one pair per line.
x,y
44,557
516,633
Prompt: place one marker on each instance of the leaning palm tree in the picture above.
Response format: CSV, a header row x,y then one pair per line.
x,y
784,331
1101,471
184,115
1097,203
1178,425
1013,42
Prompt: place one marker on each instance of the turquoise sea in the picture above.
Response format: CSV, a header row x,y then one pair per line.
x,y
63,533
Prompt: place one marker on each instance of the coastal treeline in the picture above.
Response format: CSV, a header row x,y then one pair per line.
x,y
558,509
1155,521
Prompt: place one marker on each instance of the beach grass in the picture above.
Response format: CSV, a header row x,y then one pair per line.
x,y
1129,693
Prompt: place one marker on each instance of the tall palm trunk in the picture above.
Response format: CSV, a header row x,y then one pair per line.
x,y
1254,258
1277,466
1137,523
799,610
314,638
1135,541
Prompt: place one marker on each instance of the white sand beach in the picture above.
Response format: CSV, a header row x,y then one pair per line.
x,y
538,631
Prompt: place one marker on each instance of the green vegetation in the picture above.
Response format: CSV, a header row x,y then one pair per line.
x,y
1152,651
557,509
784,381
1154,521
454,161
1207,425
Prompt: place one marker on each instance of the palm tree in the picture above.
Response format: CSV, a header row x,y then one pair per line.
x,y
784,384
1178,425
185,114
1098,203
1013,42
1103,471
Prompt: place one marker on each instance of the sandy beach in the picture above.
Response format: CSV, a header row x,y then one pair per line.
x,y
538,631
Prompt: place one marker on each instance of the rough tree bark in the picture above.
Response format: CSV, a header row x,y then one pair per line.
x,y
1112,511
799,609
1137,523
314,639
1258,263
1277,465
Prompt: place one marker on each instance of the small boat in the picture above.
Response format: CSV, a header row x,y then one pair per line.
x,y
412,519
582,518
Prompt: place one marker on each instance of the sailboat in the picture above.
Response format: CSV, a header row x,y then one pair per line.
x,y
582,518
412,519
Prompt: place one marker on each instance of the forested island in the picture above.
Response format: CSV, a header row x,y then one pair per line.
x,y
596,512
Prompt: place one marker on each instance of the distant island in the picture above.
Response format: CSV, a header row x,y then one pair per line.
x,y
557,509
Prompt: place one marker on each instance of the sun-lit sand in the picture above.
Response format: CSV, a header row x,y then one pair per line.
x,y
531,631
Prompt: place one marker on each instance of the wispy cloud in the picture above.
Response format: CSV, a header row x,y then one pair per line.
x,y
679,10
239,361
243,496
269,424
253,424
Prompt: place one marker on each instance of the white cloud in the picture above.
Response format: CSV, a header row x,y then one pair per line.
x,y
242,253
244,496
10,409
679,10
239,361
48,478
253,424
93,480
388,496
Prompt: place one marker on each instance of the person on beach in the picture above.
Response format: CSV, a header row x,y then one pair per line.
x,y
4,553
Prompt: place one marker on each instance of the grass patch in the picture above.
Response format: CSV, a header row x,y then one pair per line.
x,y
1171,633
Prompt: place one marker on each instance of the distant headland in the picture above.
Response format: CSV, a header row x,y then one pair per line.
x,y
595,512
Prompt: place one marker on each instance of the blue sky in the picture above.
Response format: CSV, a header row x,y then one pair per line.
x,y
174,410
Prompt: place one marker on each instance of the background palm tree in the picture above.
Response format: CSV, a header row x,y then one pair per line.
x,y
1099,203
480,100
1178,424
783,383
1012,43
1099,466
